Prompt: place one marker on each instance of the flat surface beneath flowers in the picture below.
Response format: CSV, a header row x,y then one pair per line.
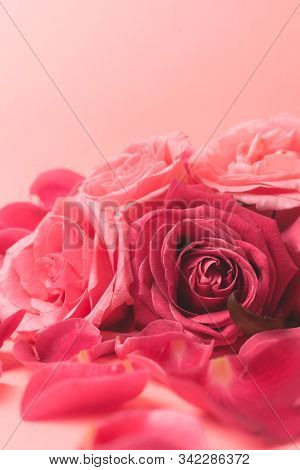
x,y
74,433
125,80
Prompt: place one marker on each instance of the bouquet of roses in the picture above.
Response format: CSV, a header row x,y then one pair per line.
x,y
169,265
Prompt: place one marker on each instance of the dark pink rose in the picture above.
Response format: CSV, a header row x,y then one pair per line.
x,y
141,173
20,218
258,389
257,161
291,238
191,255
75,264
149,430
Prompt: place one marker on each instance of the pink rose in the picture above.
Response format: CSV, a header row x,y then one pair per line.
x,y
141,173
258,162
75,264
189,256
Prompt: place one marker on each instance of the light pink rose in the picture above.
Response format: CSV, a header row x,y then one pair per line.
x,y
141,173
149,429
258,162
75,264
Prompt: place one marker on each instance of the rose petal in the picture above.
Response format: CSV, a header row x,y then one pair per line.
x,y
59,342
50,185
26,354
149,430
259,389
176,352
21,215
291,237
9,325
64,339
72,388
9,236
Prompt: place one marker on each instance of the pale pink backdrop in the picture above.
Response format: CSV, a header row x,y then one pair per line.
x,y
130,69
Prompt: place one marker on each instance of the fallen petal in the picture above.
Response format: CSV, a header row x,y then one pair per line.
x,y
64,339
50,185
9,236
21,215
9,325
70,388
258,389
149,430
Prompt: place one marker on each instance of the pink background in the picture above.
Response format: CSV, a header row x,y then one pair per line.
x,y
130,69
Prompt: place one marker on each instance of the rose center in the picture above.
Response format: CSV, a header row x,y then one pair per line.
x,y
49,269
205,281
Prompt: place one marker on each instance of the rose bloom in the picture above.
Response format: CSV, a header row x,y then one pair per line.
x,y
258,162
74,264
291,239
189,256
141,173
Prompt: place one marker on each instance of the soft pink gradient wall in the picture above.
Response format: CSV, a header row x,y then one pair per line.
x,y
133,68
130,69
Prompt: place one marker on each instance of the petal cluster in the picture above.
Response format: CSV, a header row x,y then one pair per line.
x,y
167,269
